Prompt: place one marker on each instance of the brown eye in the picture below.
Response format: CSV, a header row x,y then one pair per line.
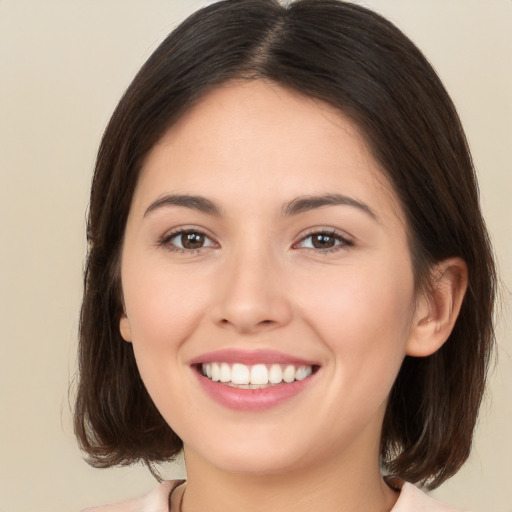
x,y
188,241
192,240
324,241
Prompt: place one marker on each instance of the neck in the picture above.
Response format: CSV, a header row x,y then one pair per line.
x,y
333,487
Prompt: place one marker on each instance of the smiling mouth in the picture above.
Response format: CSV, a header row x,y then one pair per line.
x,y
256,376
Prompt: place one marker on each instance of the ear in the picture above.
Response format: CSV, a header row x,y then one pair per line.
x,y
125,328
437,309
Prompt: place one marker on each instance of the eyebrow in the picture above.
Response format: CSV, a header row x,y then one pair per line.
x,y
306,203
194,202
296,206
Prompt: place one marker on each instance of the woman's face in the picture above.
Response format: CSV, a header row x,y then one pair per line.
x,y
262,244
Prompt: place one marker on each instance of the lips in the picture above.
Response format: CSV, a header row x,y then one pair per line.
x,y
255,380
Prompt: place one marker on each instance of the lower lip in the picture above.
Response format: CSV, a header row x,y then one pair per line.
x,y
253,399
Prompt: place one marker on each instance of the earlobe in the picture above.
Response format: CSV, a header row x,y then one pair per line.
x,y
125,328
438,308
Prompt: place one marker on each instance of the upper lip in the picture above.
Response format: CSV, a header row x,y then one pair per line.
x,y
250,357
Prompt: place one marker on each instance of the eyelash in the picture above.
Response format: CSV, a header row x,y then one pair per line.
x,y
344,242
165,241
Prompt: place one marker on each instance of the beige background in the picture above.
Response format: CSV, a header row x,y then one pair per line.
x,y
63,66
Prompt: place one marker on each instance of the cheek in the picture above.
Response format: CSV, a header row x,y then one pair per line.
x,y
364,322
163,309
364,315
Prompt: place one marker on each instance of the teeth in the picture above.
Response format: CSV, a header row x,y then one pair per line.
x,y
275,375
240,374
225,372
289,373
215,372
256,376
302,372
259,374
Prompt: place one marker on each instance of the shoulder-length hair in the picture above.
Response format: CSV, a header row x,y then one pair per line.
x,y
360,63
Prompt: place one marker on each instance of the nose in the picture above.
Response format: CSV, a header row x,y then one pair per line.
x,y
252,296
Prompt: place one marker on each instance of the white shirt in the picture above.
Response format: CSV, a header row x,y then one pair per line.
x,y
411,499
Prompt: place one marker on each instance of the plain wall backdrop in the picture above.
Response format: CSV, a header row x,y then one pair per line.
x,y
63,67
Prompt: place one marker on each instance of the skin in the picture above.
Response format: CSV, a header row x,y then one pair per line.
x,y
258,282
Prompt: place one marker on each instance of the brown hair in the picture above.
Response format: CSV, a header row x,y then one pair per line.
x,y
360,63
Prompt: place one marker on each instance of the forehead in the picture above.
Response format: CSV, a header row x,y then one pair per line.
x,y
266,140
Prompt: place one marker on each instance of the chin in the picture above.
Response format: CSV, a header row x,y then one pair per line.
x,y
250,456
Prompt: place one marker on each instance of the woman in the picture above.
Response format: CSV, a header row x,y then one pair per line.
x,y
289,276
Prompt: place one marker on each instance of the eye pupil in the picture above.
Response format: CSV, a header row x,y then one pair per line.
x,y
323,241
192,240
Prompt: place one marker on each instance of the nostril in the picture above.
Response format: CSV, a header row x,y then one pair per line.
x,y
225,321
